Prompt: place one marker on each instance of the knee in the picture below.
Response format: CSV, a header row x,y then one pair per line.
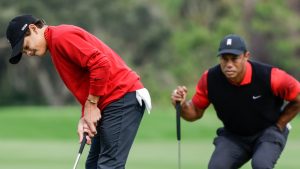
x,y
262,164
213,164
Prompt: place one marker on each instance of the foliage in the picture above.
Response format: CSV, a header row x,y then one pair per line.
x,y
167,43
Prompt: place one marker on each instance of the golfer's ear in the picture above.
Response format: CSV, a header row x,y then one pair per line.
x,y
247,55
32,28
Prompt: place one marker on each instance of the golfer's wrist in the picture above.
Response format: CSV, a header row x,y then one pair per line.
x,y
185,105
92,99
280,127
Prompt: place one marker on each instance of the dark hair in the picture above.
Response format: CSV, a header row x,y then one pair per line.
x,y
40,23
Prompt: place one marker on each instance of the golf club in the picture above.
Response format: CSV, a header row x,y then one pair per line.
x,y
83,142
178,107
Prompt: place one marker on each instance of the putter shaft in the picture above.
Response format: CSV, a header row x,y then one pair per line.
x,y
178,129
83,142
76,162
179,155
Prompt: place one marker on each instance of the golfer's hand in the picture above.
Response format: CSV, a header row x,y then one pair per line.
x,y
179,95
81,129
91,117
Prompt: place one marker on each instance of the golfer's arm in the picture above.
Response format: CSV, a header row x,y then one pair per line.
x,y
289,112
190,112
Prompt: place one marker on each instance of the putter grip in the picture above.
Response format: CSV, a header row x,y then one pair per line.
x,y
178,107
83,142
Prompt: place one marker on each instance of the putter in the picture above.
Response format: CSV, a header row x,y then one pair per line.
x,y
178,107
83,142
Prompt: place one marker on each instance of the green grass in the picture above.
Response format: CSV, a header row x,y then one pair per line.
x,y
45,137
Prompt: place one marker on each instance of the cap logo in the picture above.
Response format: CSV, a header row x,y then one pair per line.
x,y
23,28
229,42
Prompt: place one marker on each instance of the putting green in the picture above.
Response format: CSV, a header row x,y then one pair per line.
x,y
28,154
45,138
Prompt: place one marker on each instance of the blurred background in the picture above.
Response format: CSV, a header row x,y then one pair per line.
x,y
167,42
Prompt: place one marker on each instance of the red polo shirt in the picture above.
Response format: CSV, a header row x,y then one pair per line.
x,y
88,66
282,84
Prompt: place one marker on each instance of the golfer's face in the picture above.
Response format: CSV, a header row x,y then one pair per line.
x,y
233,66
35,43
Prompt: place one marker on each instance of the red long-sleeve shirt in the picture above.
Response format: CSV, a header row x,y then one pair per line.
x,y
282,85
88,66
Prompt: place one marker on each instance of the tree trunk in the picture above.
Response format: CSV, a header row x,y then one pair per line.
x,y
256,40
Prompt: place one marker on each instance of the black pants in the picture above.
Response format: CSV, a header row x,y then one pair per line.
x,y
233,151
115,133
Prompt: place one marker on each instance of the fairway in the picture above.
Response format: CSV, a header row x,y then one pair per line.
x,y
45,138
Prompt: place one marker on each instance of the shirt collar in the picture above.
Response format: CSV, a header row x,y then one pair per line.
x,y
248,75
46,33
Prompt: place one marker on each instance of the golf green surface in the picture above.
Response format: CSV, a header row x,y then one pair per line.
x,y
45,138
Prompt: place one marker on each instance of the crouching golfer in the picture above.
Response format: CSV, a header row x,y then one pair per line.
x,y
112,96
248,98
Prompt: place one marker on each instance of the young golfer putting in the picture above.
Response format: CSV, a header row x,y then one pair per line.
x,y
248,98
112,96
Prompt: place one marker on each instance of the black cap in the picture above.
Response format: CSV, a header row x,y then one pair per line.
x,y
232,44
15,34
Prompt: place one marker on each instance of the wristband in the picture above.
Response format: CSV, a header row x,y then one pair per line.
x,y
92,101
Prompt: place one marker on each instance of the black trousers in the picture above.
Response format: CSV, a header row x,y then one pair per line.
x,y
233,151
115,133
